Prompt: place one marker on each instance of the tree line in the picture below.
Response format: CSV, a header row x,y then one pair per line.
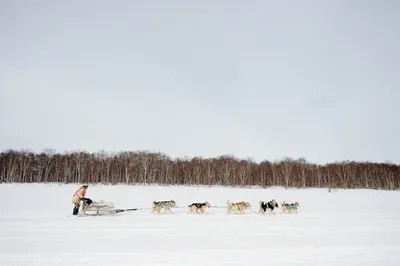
x,y
144,167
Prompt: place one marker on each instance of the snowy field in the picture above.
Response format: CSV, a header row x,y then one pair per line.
x,y
345,227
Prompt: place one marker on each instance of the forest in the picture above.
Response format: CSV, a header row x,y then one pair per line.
x,y
145,167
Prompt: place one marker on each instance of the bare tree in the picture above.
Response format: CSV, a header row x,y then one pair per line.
x,y
303,167
286,166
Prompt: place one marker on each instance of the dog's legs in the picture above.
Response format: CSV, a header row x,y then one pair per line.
x,y
262,211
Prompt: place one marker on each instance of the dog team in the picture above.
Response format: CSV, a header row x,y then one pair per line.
x,y
199,208
236,207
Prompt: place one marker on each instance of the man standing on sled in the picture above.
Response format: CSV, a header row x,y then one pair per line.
x,y
78,196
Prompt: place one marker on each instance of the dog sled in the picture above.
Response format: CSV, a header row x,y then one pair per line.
x,y
100,208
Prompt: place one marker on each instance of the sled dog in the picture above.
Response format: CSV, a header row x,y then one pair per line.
x,y
157,206
289,207
196,207
270,205
237,207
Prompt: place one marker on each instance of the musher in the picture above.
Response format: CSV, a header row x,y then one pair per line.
x,y
80,196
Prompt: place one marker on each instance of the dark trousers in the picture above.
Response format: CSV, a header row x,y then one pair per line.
x,y
76,209
77,205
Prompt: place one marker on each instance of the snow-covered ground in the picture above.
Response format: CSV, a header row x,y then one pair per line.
x,y
345,227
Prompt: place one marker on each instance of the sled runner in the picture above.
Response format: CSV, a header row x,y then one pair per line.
x,y
97,208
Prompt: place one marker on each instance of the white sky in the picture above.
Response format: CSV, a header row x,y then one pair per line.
x,y
259,79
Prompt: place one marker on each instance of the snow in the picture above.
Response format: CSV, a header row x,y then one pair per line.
x,y
345,227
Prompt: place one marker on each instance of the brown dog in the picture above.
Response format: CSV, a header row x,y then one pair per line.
x,y
196,207
157,206
237,207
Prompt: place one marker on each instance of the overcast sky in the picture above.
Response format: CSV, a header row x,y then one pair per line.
x,y
260,79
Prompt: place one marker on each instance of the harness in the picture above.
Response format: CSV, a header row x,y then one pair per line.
x,y
160,203
268,205
163,203
199,205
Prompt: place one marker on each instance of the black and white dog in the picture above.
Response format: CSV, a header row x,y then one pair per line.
x,y
270,205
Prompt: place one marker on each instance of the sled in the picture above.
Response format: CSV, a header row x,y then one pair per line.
x,y
100,208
